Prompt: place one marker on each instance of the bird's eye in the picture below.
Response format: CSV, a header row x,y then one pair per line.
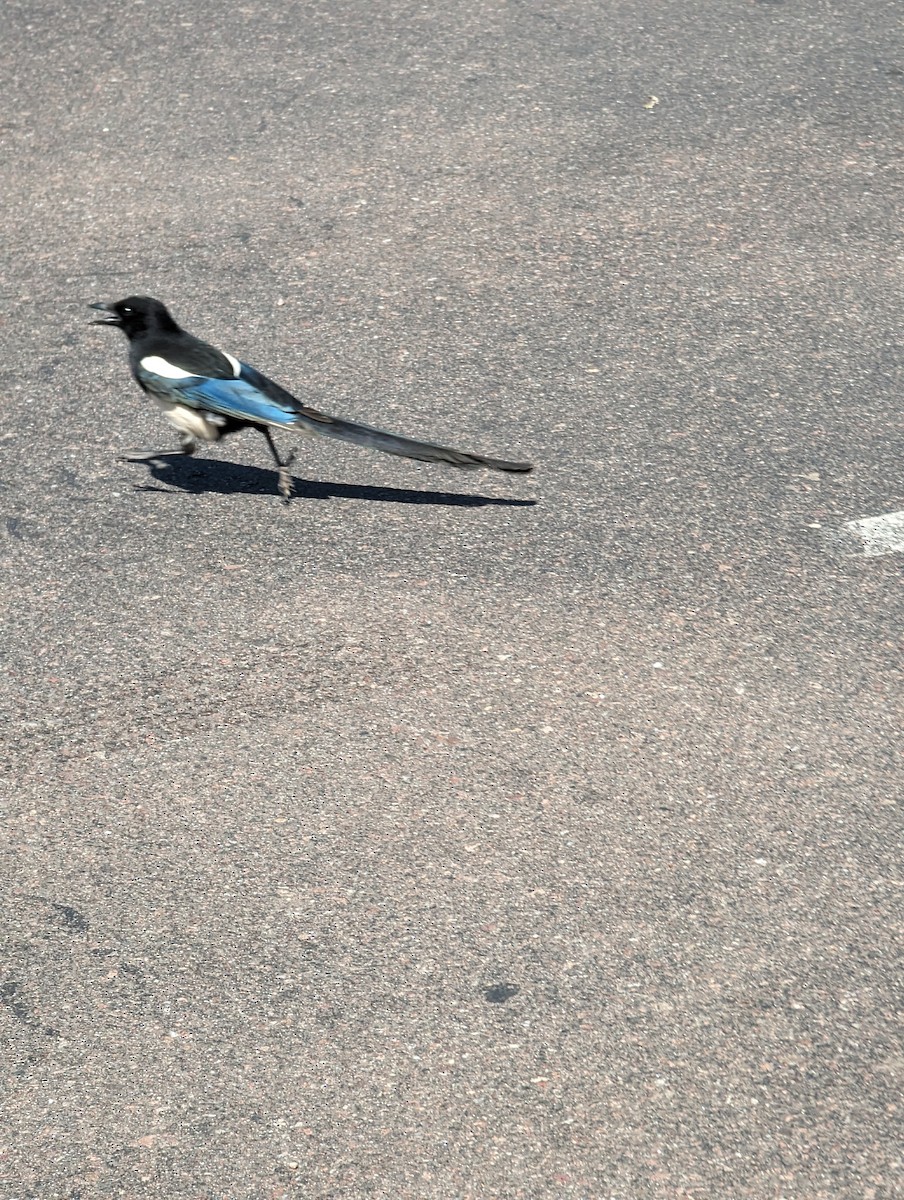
x,y
125,310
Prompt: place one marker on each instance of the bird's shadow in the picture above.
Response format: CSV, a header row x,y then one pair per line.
x,y
199,475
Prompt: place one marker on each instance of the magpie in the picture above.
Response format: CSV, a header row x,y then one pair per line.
x,y
206,394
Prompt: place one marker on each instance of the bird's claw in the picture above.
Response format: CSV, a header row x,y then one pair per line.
x,y
285,479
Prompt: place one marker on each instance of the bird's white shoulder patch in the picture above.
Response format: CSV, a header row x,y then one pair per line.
x,y
159,366
234,363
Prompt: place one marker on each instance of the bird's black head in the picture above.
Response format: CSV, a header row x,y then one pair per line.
x,y
136,315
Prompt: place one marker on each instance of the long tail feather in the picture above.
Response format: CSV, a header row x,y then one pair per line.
x,y
323,425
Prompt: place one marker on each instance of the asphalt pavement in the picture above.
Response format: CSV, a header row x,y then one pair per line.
x,y
445,835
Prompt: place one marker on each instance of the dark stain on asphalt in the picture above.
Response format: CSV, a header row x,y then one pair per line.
x,y
9,998
499,993
70,917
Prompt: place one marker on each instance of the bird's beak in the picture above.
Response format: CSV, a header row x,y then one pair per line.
x,y
111,319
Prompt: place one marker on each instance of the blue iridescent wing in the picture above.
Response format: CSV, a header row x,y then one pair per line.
x,y
250,397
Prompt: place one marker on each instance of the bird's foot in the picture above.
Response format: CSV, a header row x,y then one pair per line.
x,y
148,455
285,479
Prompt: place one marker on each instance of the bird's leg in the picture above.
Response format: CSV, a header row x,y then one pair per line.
x,y
187,445
285,479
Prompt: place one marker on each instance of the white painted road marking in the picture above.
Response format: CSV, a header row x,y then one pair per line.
x,y
870,537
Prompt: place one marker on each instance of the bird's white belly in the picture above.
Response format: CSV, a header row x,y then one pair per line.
x,y
191,421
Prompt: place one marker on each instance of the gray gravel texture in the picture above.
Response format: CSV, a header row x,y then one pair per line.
x,y
452,836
